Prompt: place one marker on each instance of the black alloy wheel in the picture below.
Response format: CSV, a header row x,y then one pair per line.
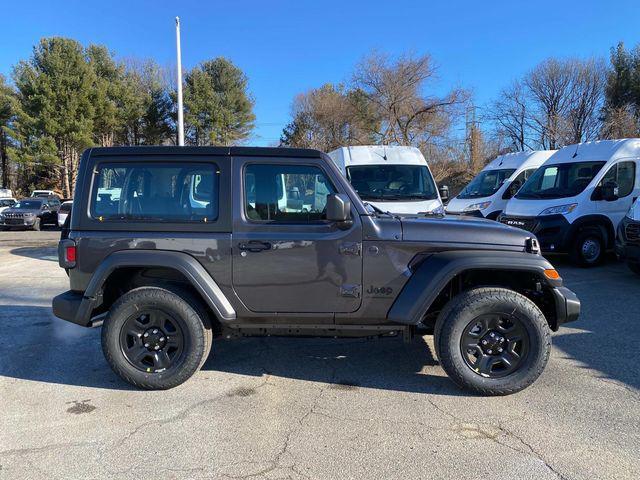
x,y
152,340
494,345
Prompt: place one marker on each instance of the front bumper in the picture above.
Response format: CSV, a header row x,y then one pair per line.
x,y
552,231
567,306
18,221
628,240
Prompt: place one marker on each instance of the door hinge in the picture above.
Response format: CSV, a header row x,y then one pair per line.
x,y
352,291
350,248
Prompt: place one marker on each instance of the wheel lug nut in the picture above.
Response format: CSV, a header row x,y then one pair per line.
x,y
162,339
489,351
157,347
484,342
155,330
146,345
499,349
146,334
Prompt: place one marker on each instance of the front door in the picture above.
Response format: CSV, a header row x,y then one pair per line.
x,y
623,174
286,256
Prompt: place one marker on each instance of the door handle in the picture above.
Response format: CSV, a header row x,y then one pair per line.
x,y
254,246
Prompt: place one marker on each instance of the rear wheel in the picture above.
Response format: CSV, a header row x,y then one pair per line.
x,y
588,248
493,341
155,338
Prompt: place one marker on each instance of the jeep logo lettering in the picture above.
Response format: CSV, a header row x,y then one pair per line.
x,y
379,290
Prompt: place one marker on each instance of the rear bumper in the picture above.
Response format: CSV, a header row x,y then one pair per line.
x,y
74,307
567,306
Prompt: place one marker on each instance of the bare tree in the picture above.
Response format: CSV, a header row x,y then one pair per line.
x,y
395,88
328,117
587,98
510,112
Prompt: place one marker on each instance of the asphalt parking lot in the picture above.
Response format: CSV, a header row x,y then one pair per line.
x,y
311,408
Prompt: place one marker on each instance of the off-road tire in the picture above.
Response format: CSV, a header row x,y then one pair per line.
x,y
467,306
576,250
196,329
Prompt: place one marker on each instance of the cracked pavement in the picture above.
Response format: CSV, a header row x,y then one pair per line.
x,y
312,408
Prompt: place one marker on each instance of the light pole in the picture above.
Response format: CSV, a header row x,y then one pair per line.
x,y
179,61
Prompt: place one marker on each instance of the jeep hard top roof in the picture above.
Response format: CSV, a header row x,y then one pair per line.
x,y
213,151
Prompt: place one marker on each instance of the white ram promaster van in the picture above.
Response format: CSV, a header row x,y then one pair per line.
x,y
488,193
574,202
393,179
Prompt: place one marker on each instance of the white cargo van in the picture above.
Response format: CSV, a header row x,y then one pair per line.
x,y
487,194
391,178
574,202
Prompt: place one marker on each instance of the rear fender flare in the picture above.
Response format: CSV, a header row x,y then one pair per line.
x,y
193,271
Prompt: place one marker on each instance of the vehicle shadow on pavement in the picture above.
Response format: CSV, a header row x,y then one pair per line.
x,y
38,253
606,336
36,346
381,363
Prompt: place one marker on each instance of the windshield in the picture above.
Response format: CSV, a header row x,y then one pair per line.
x,y
559,181
486,183
392,182
6,203
28,205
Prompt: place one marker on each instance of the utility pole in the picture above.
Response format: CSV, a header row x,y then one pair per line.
x,y
179,61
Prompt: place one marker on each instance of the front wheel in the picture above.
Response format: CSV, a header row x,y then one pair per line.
x,y
492,341
588,248
155,338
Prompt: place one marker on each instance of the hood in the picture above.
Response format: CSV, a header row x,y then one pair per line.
x,y
461,229
35,211
408,207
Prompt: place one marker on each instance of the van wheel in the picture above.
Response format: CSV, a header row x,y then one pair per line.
x,y
634,267
36,225
492,341
588,248
154,338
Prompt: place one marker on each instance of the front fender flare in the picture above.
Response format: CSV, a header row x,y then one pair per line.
x,y
433,274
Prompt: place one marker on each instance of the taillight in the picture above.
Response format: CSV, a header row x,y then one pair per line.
x,y
67,253
70,254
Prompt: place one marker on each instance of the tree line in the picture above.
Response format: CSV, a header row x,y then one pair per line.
x,y
67,97
391,101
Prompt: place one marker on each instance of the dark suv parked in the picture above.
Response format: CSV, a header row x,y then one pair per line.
x,y
169,246
31,213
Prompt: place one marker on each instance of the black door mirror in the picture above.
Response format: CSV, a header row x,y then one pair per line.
x,y
609,191
339,210
444,193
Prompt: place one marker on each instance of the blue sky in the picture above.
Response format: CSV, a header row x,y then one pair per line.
x,y
286,47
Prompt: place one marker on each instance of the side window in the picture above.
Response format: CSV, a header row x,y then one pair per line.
x,y
159,192
624,175
517,182
285,193
549,179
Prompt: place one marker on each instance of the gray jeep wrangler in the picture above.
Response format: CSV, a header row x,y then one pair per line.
x,y
168,247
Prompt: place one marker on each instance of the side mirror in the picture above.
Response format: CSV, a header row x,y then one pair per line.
x,y
609,191
444,193
339,210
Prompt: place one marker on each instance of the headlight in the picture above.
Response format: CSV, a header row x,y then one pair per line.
x,y
477,206
633,213
560,209
28,214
